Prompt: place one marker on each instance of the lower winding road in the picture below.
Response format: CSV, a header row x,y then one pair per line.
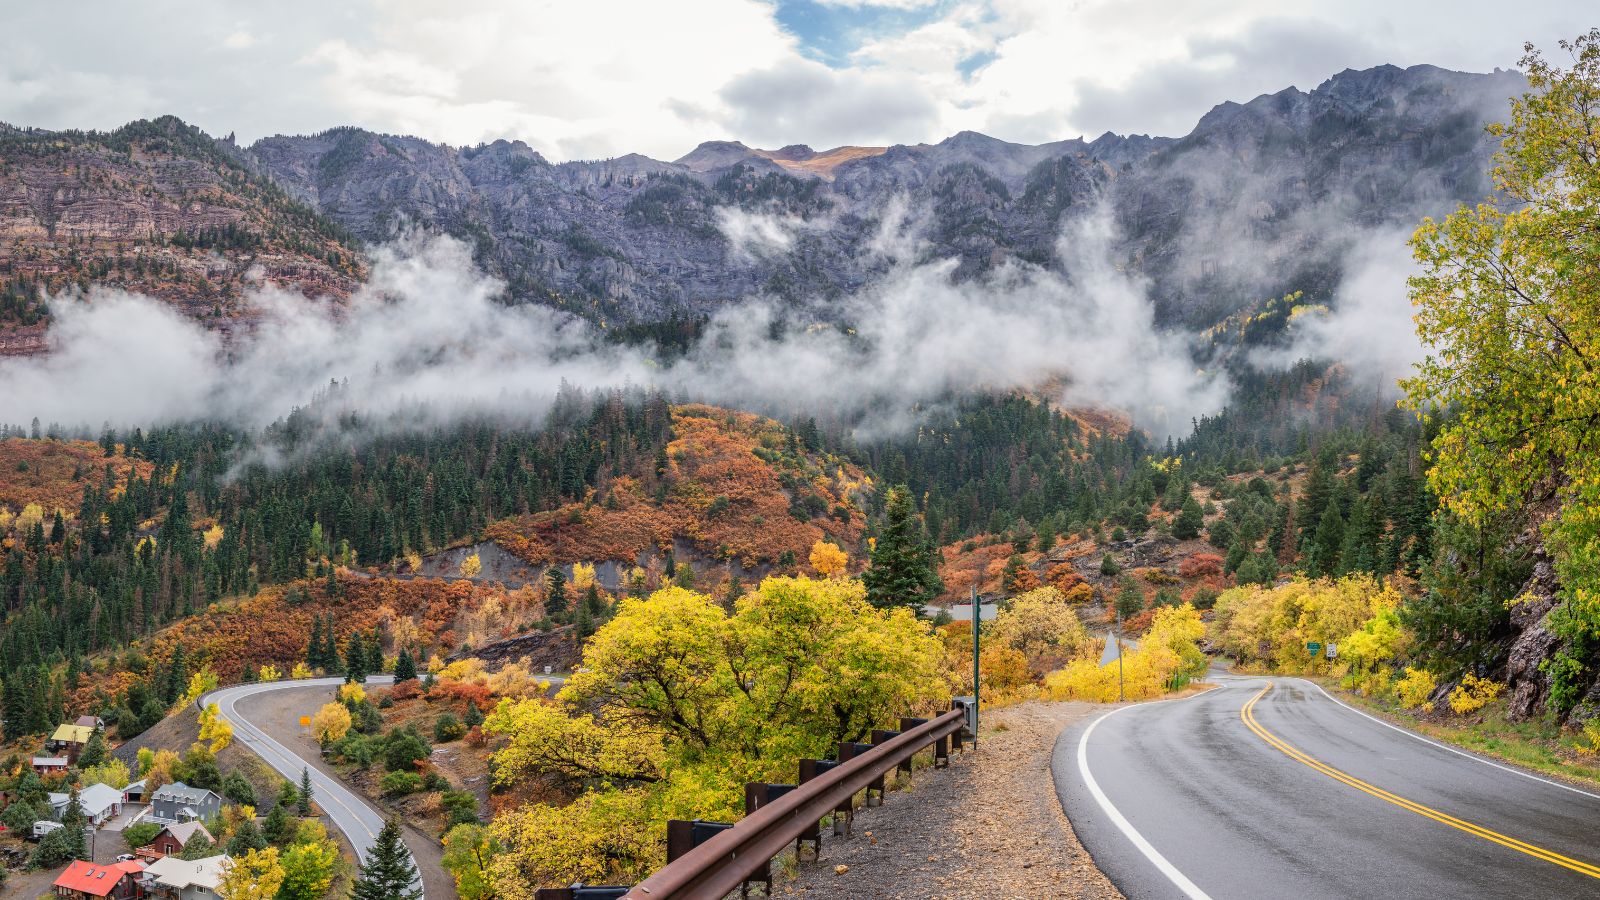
x,y
352,814
1271,788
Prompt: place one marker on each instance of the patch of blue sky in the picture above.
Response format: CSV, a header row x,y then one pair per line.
x,y
830,32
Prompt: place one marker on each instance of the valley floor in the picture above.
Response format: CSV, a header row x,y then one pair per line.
x,y
989,826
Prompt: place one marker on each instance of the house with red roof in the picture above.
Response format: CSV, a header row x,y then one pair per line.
x,y
85,880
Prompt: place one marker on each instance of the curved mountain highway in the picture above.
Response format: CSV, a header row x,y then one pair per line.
x,y
1271,788
352,814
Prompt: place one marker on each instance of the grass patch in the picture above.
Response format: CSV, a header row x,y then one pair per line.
x,y
1540,745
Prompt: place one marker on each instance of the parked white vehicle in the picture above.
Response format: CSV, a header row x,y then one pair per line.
x,y
44,827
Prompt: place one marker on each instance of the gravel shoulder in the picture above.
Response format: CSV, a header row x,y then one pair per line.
x,y
989,826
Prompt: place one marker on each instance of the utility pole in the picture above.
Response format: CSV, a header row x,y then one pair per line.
x,y
1120,697
977,618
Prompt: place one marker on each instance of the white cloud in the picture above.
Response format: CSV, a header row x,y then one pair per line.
x,y
604,77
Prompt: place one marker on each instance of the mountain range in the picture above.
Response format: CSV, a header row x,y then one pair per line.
x,y
1260,199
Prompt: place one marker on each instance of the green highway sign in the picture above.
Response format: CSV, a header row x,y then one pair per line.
x,y
1313,647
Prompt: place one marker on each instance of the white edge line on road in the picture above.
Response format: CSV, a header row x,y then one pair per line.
x,y
1456,750
1180,880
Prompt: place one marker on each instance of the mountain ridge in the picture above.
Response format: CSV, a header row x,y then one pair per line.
x,y
638,240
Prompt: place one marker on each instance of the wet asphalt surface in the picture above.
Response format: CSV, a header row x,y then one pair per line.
x,y
1238,818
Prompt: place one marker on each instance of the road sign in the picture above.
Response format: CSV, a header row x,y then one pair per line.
x,y
1314,647
1333,651
305,721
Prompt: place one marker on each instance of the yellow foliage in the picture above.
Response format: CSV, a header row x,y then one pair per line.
x,y
351,693
301,670
435,664
471,566
1415,688
828,559
254,876
112,772
32,514
679,703
582,576
1040,623
331,722
161,769
1591,733
213,537
1165,658
1271,625
414,561
268,673
605,837
6,518
214,728
1473,694
200,683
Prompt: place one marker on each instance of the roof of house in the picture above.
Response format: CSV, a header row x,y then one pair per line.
x,y
89,721
93,799
77,734
136,787
183,831
94,879
49,761
182,793
172,872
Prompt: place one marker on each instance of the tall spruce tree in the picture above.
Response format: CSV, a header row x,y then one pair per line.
x,y
902,571
388,873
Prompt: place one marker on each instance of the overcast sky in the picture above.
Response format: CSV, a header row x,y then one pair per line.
x,y
597,78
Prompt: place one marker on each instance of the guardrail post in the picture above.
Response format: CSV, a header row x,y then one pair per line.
x,y
849,750
809,769
756,795
883,736
683,835
909,722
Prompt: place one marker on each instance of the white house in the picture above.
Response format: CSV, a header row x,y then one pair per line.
x,y
171,878
100,803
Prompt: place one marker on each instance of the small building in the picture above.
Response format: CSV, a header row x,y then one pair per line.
x,y
177,802
50,765
100,803
171,878
134,793
90,722
69,740
171,840
84,880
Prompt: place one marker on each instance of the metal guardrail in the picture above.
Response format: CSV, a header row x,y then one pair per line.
x,y
742,852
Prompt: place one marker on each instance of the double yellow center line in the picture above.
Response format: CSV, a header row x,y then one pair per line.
x,y
1247,714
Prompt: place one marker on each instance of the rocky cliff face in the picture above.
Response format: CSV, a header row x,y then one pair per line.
x,y
1261,198
155,207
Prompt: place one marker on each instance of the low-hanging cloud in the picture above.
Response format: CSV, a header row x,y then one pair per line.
x,y
429,332
1369,327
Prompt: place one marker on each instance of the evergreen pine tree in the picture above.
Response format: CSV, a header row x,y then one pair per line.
x,y
555,592
1323,558
375,654
405,668
73,826
331,661
279,827
94,752
246,837
302,800
388,873
1186,526
902,570
355,659
177,680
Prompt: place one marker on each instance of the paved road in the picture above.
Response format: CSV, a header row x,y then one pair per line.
x,y
352,814
1270,788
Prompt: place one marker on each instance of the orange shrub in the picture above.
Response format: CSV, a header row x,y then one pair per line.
x,y
1200,565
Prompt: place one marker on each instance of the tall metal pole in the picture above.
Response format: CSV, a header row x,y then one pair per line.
x,y
1120,697
977,619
